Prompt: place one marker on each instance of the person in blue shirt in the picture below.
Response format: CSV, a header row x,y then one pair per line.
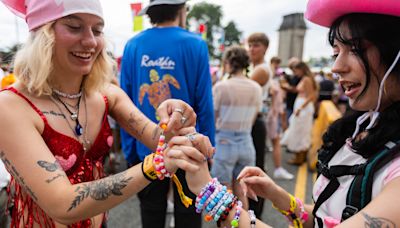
x,y
163,62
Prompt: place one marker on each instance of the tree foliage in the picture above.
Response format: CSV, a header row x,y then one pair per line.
x,y
232,34
211,15
7,55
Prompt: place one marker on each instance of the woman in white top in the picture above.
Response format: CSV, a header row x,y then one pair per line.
x,y
236,104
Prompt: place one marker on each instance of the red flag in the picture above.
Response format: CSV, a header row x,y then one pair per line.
x,y
137,20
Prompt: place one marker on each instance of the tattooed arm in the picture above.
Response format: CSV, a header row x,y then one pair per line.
x,y
382,211
138,125
34,167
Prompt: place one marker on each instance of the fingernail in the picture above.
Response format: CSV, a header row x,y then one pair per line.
x,y
255,198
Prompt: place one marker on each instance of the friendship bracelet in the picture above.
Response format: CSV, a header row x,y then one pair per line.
x,y
290,214
213,212
200,204
162,172
225,214
253,219
235,221
224,206
303,213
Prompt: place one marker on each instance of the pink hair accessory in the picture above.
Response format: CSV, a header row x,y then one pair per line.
x,y
39,12
325,12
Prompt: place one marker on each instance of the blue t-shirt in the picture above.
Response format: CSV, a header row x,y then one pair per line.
x,y
162,63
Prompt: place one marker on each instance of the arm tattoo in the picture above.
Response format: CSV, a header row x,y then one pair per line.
x,y
48,166
53,113
133,122
53,178
14,172
375,222
155,132
144,128
100,189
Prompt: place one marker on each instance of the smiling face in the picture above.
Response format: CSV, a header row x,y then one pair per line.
x,y
353,77
78,42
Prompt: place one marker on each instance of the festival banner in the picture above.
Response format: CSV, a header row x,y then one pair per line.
x,y
137,20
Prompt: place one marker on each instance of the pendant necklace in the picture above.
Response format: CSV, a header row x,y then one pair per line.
x,y
74,115
85,142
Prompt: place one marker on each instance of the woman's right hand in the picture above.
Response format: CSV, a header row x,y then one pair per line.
x,y
256,182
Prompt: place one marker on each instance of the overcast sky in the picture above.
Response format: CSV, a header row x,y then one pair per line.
x,y
249,15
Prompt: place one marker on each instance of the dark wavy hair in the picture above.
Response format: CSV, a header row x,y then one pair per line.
x,y
162,13
382,32
237,58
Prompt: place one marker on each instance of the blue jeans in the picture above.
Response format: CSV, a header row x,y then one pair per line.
x,y
234,151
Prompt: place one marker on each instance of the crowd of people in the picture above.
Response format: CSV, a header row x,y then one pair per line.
x,y
191,137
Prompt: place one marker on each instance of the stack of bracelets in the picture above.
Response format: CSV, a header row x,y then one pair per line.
x,y
217,202
153,168
291,215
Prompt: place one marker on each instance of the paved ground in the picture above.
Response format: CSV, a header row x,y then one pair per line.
x,y
127,214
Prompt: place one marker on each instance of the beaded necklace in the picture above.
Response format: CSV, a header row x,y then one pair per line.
x,y
67,95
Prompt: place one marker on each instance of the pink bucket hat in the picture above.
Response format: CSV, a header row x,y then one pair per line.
x,y
325,12
39,12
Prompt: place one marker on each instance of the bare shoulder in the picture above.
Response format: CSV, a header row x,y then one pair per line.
x,y
113,94
260,75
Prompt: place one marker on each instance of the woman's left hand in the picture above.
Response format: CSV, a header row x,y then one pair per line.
x,y
199,141
181,153
176,114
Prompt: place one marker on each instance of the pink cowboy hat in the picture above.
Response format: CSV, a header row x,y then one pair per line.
x,y
39,12
325,12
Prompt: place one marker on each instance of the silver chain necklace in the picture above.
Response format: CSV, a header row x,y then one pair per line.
x,y
85,142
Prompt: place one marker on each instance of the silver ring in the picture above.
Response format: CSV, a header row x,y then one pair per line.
x,y
192,136
179,110
183,120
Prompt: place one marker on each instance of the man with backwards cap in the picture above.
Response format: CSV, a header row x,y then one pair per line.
x,y
162,62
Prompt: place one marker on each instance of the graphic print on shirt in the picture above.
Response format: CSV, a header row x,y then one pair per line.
x,y
158,91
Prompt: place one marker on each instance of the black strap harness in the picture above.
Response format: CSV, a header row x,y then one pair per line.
x,y
360,191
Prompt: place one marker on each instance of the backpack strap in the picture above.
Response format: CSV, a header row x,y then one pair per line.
x,y
332,173
360,191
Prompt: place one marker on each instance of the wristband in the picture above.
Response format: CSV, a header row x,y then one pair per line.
x,y
148,168
290,214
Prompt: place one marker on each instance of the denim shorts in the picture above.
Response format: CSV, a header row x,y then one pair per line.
x,y
234,151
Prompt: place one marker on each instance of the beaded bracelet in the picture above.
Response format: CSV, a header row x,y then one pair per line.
x,y
290,214
162,172
253,219
211,198
303,213
235,221
227,210
214,201
213,212
223,207
204,195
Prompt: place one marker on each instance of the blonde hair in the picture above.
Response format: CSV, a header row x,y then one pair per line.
x,y
33,64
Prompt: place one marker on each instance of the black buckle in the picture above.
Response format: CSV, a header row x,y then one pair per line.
x,y
348,212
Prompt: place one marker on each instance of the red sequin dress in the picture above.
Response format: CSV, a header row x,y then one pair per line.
x,y
79,167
